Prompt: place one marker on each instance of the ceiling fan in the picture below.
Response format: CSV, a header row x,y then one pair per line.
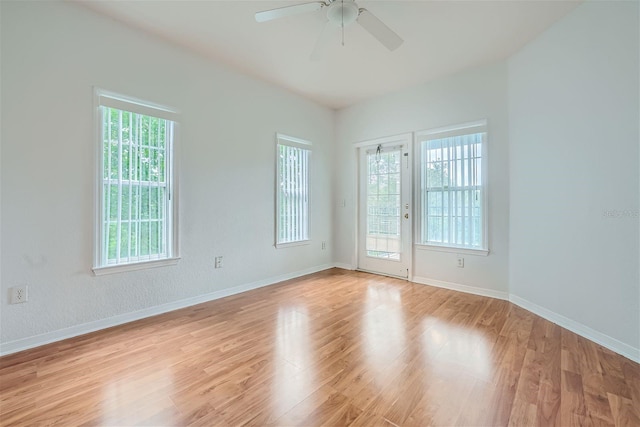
x,y
340,13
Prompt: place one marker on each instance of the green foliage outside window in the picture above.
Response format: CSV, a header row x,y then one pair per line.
x,y
134,184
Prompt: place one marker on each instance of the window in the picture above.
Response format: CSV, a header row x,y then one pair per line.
x,y
292,192
383,202
136,200
452,192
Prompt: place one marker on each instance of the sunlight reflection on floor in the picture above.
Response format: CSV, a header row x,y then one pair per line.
x,y
293,374
457,347
124,398
383,327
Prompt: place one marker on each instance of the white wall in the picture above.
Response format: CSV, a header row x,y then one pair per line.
x,y
469,96
52,55
574,137
563,149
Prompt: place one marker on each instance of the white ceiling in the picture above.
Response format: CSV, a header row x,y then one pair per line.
x,y
440,38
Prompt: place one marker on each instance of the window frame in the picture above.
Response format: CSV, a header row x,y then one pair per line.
x,y
290,141
479,126
104,98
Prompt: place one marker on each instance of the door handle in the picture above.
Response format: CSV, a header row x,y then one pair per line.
x,y
406,216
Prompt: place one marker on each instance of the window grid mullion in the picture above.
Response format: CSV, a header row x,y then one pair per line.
x,y
131,136
426,221
463,207
287,227
149,188
165,196
480,178
307,189
285,193
300,193
279,225
470,192
159,251
107,207
298,168
422,195
450,201
296,204
139,195
294,194
280,192
119,201
289,201
168,226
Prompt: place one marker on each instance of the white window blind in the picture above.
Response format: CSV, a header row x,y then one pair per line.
x,y
292,205
136,205
452,187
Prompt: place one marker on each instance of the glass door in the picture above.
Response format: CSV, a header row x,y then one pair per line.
x,y
384,221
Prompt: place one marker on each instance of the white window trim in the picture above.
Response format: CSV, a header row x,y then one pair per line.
x,y
451,249
291,244
478,126
141,265
307,145
456,130
106,98
122,102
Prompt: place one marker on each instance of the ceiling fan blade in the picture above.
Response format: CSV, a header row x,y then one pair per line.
x,y
321,43
379,30
281,12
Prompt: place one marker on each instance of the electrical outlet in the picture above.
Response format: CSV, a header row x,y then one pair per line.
x,y
324,245
460,262
219,263
19,294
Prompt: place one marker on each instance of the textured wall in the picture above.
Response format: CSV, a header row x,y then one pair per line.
x,y
52,55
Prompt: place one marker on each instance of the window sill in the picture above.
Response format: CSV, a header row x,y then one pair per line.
x,y
143,265
290,244
453,249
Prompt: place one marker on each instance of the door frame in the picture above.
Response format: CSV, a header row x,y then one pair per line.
x,y
401,139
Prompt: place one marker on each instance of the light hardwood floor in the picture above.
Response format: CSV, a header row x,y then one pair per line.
x,y
333,348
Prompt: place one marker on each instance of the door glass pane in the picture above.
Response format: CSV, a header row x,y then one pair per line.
x,y
383,205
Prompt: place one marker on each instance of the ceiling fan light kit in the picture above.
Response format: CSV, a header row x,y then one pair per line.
x,y
340,13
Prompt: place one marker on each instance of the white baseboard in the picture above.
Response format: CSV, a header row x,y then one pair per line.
x,y
344,266
85,328
576,327
462,288
598,337
604,340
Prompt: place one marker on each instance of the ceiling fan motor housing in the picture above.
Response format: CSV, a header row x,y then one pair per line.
x,y
342,12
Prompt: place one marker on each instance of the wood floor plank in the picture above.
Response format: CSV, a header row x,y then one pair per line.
x,y
623,411
337,348
572,404
550,376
